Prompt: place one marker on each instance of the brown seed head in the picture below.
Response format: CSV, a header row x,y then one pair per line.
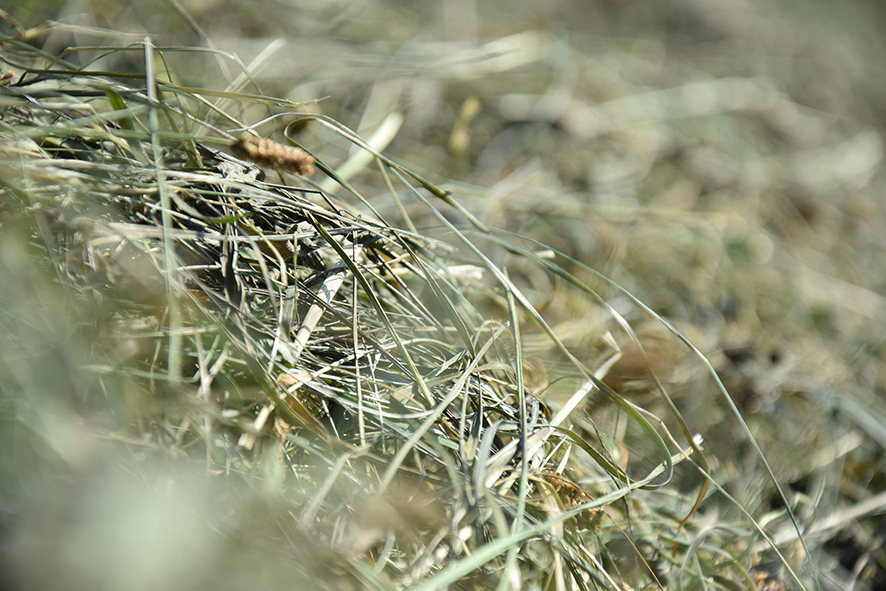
x,y
271,154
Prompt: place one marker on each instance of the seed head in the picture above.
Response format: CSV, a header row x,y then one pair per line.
x,y
271,154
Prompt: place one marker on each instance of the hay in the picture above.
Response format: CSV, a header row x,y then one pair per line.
x,y
368,382
269,316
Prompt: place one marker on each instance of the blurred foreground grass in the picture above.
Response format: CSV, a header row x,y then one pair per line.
x,y
720,161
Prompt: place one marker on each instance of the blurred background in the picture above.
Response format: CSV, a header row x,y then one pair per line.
x,y
721,160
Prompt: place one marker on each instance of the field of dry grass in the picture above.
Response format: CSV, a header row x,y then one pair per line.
x,y
433,295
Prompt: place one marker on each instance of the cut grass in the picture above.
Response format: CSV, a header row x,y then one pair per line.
x,y
366,381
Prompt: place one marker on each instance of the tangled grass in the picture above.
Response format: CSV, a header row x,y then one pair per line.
x,y
361,396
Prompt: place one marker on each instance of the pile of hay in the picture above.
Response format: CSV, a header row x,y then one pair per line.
x,y
183,294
